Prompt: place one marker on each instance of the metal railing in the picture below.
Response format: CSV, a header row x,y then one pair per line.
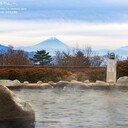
x,y
61,67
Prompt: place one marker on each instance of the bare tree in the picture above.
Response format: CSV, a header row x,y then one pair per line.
x,y
15,57
96,60
78,57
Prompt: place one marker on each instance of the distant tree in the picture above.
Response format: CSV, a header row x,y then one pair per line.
x,y
22,58
96,60
58,58
42,58
78,57
15,57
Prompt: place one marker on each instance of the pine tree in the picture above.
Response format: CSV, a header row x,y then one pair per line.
x,y
42,58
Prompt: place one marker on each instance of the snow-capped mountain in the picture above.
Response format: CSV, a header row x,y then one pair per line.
x,y
50,45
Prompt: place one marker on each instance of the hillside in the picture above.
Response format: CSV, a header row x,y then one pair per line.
x,y
3,48
122,51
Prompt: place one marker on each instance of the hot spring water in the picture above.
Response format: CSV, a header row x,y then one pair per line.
x,y
74,108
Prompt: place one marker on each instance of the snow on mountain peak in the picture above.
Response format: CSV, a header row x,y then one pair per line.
x,y
53,41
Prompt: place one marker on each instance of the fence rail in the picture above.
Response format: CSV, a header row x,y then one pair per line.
x,y
61,67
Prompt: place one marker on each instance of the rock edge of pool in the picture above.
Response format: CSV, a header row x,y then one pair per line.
x,y
121,83
14,112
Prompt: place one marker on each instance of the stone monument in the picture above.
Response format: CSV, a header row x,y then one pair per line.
x,y
111,68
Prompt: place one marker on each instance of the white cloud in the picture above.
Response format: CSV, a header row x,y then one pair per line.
x,y
17,33
82,10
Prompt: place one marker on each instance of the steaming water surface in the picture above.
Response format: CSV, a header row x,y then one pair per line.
x,y
73,108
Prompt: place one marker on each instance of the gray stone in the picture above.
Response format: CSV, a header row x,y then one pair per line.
x,y
122,81
87,81
10,83
61,84
25,82
102,83
39,82
13,108
51,83
36,85
77,84
45,86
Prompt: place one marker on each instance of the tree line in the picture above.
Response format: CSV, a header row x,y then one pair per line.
x,y
69,58
78,57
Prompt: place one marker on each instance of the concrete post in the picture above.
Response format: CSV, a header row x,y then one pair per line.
x,y
111,69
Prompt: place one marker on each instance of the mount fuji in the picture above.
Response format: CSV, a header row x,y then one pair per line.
x,y
50,45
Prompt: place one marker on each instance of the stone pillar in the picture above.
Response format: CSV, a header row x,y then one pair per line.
x,y
111,69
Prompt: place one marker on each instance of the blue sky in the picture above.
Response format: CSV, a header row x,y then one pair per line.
x,y
99,23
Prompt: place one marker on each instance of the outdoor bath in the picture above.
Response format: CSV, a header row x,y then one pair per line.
x,y
74,104
77,108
